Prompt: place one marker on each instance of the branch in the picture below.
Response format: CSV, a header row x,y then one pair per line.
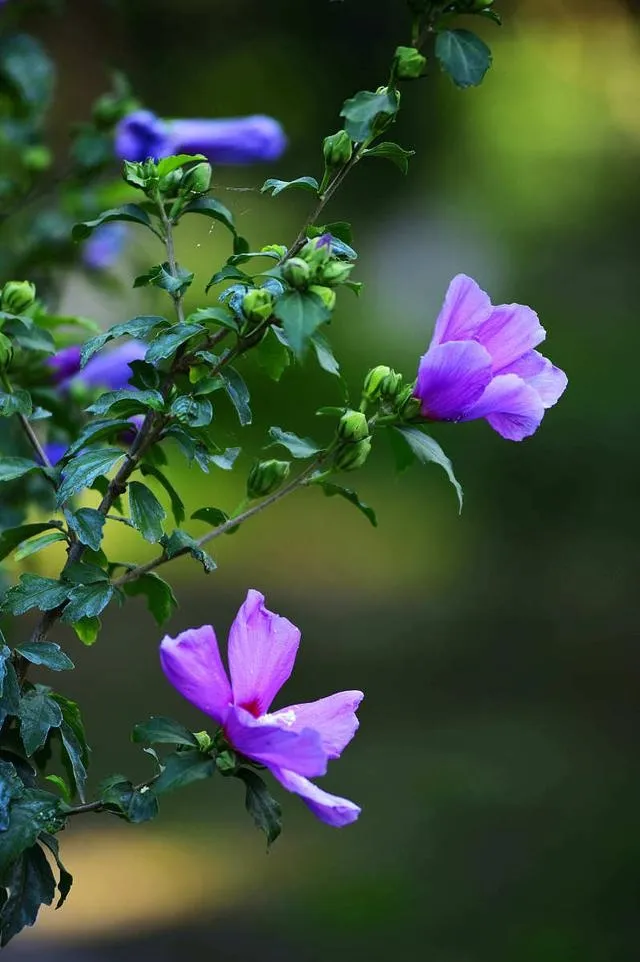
x,y
28,430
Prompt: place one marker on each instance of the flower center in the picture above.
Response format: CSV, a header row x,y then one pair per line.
x,y
252,707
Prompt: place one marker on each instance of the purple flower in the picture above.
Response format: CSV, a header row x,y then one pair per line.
x,y
481,363
104,246
236,140
109,370
294,743
55,451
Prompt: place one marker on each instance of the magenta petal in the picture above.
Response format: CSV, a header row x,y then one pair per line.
x,y
548,380
268,743
509,332
193,665
451,377
330,809
513,408
465,308
333,718
262,650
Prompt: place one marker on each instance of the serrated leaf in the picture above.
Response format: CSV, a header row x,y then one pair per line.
x,y
195,412
168,343
84,469
260,804
33,545
331,490
301,314
368,113
95,431
238,392
87,601
38,714
13,468
275,187
87,525
11,786
138,327
159,595
393,152
125,402
464,56
131,213
174,281
212,208
183,768
28,815
46,653
163,731
296,446
134,805
427,450
12,537
34,591
19,402
31,884
147,514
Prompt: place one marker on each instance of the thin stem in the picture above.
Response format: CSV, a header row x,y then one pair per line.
x,y
99,805
26,427
167,224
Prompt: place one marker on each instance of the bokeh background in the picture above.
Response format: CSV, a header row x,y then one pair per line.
x,y
496,761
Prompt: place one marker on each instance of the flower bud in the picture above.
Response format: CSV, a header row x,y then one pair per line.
x,y
265,477
17,296
409,63
257,305
198,178
297,272
6,352
337,149
278,249
391,386
334,273
326,295
171,182
349,457
372,387
353,426
409,405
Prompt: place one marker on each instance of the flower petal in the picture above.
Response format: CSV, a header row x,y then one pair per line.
x,y
140,135
193,665
262,650
511,406
465,308
233,140
451,377
548,380
111,370
509,332
328,808
274,746
333,718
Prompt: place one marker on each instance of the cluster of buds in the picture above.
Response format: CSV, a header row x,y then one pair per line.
x,y
183,182
354,441
257,305
385,386
265,477
317,270
17,296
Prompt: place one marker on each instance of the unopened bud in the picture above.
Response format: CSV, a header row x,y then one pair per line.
x,y
326,295
353,426
371,389
257,305
265,477
17,296
198,178
335,273
391,386
6,352
409,63
337,149
409,405
172,182
278,249
349,457
297,272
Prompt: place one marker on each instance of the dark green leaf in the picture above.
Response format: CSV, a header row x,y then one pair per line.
x,y
66,879
177,507
213,516
87,525
167,344
427,450
275,187
393,152
211,208
183,768
46,653
161,600
97,431
126,402
368,113
464,56
134,805
260,804
87,601
26,67
73,725
147,514
74,756
84,469
196,412
340,229
84,573
272,355
238,392
172,281
17,403
226,460
28,816
163,731
12,468
324,353
33,545
34,591
38,714
11,538
26,334
228,272
301,314
179,542
31,884
9,687
128,212
331,489
11,786
138,327
219,315
296,446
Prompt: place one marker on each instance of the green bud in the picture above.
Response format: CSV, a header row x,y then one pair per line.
x,y
337,149
37,158
409,406
326,295
409,63
198,178
265,477
6,352
372,387
335,273
353,426
226,761
257,305
391,386
172,182
204,739
297,272
278,249
351,456
17,296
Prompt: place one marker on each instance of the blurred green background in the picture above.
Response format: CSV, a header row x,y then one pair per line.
x,y
496,762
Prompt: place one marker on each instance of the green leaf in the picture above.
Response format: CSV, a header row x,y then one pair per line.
x,y
179,542
85,468
134,805
169,164
211,208
87,630
26,67
301,314
177,506
125,402
168,343
84,573
128,212
238,392
163,276
163,731
260,804
34,591
196,412
26,334
393,152
9,687
368,113
275,187
66,879
17,403
87,525
60,783
74,755
137,327
38,714
97,431
12,468
12,537
11,786
87,601
28,816
31,883
27,548
46,653
213,516
183,768
331,489
228,272
272,356
296,446
427,450
147,514
161,600
324,354
219,315
464,56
